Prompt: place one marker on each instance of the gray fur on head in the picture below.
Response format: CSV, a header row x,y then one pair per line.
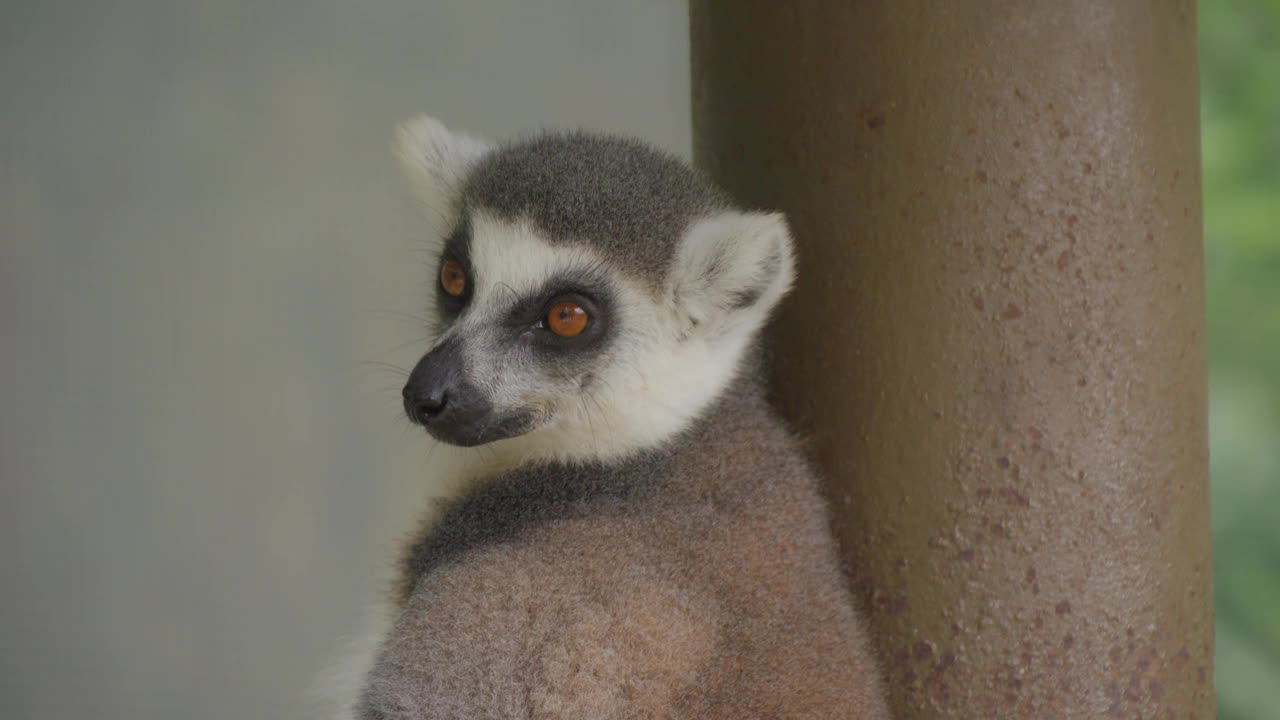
x,y
620,195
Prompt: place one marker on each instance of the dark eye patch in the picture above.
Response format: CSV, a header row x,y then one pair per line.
x,y
457,247
527,314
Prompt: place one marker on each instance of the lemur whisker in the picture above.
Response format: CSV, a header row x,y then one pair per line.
x,y
402,346
603,414
595,445
382,366
515,296
400,315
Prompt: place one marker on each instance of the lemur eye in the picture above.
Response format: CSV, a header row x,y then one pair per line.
x,y
452,278
567,319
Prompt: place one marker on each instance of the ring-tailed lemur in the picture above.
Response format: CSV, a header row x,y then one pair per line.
x,y
646,540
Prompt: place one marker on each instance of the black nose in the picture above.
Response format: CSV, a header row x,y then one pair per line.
x,y
436,393
424,405
439,397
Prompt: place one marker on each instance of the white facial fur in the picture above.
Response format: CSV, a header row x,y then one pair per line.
x,y
672,352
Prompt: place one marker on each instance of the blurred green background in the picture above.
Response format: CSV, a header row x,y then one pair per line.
x,y
206,250
1240,101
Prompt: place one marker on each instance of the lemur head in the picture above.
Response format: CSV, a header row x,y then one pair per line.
x,y
594,295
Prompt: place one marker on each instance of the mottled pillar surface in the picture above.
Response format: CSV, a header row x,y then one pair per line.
x,y
996,349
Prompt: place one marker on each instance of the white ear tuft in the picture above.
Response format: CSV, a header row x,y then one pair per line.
x,y
731,270
437,162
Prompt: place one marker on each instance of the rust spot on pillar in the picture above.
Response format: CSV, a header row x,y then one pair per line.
x,y
998,209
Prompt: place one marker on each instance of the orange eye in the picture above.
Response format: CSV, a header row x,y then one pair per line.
x,y
567,319
452,279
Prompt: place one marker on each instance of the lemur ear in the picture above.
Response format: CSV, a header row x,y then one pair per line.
x,y
437,162
731,270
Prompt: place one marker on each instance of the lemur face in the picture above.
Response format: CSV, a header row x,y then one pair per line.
x,y
526,329
593,295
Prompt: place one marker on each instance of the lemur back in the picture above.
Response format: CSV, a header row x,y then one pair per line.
x,y
645,539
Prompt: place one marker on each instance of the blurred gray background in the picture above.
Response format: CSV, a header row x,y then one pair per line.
x,y
206,248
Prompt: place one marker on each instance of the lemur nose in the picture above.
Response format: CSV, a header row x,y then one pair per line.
x,y
424,405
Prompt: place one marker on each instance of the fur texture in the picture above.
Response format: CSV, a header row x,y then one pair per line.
x,y
618,195
648,542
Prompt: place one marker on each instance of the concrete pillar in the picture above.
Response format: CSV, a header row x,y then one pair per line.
x,y
996,349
